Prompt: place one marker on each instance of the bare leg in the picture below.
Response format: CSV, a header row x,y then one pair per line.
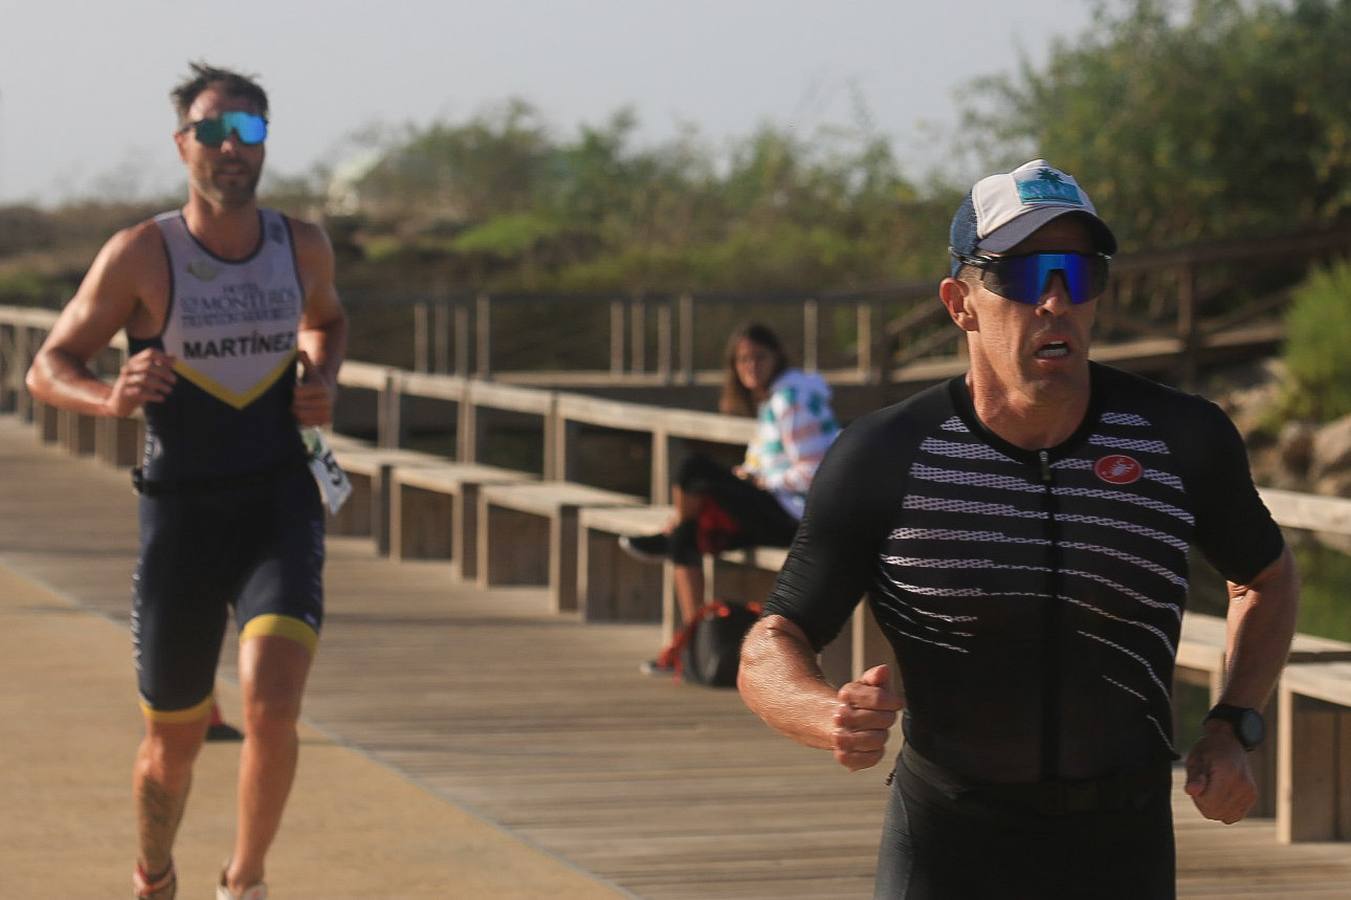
x,y
160,781
689,591
272,673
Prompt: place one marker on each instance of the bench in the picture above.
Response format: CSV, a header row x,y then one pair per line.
x,y
368,469
119,441
749,574
1313,738
528,534
611,585
434,511
1201,651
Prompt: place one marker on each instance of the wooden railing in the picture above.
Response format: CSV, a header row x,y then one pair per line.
x,y
1314,709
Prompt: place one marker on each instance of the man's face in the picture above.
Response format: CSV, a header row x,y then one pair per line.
x,y
226,175
1041,349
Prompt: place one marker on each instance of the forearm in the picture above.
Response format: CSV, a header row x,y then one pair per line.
x,y
781,683
59,379
1261,624
326,345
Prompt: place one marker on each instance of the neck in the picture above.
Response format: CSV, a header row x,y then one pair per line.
x,y
1031,417
230,232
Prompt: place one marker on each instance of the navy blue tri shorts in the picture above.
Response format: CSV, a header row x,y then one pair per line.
x,y
255,545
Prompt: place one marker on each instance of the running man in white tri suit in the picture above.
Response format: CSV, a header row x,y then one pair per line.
x,y
221,302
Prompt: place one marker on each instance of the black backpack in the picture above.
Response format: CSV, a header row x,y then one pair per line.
x,y
710,646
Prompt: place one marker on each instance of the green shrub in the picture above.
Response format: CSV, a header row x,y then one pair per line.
x,y
1318,346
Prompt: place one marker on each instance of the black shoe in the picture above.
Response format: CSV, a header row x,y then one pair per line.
x,y
222,731
647,547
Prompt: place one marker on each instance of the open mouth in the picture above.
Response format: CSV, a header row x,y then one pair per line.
x,y
1053,350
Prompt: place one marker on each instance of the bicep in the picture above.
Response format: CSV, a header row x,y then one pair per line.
x,y
105,301
314,254
833,557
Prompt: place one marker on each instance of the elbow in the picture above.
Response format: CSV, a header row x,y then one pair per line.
x,y
752,655
34,381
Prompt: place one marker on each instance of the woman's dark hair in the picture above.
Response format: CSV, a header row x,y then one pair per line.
x,y
204,76
735,399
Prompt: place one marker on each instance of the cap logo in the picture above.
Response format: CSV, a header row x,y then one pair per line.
x,y
1047,186
1118,469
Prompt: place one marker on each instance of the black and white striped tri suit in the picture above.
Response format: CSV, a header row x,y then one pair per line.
x,y
1034,600
230,514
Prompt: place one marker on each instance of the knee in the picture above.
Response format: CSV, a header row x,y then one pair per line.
x,y
271,716
167,758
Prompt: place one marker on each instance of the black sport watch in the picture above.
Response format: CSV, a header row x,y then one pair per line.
x,y
1248,725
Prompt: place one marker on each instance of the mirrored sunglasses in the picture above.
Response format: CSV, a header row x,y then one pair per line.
x,y
1023,279
251,129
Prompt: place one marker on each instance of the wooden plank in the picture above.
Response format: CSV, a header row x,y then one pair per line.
x,y
541,724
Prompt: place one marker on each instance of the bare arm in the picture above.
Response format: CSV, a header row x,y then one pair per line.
x,y
322,338
781,682
1261,624
108,299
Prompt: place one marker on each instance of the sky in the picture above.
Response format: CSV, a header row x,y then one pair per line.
x,y
84,86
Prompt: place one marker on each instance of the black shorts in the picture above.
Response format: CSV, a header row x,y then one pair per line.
x,y
749,515
255,546
939,843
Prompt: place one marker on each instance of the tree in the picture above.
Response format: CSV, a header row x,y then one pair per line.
x,y
1221,118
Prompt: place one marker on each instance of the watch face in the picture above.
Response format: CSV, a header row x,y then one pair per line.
x,y
1250,728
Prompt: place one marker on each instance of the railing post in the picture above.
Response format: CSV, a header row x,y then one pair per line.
x,y
664,342
483,327
9,367
23,356
389,427
441,324
1187,331
868,370
685,306
660,492
421,327
462,339
638,336
466,428
811,334
616,337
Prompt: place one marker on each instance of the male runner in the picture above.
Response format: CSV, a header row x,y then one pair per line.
x,y
220,301
1022,534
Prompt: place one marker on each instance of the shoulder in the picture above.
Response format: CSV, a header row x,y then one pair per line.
x,y
1177,415
886,435
794,386
134,244
313,248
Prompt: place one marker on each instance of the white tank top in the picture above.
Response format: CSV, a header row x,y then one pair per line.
x,y
232,324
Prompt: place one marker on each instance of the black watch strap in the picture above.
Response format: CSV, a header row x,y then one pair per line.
x,y
1247,723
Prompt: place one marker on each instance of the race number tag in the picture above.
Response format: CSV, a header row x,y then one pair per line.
x,y
333,483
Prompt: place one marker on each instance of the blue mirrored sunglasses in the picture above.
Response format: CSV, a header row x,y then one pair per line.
x,y
1023,279
250,128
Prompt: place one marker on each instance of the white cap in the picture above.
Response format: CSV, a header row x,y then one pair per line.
x,y
1011,205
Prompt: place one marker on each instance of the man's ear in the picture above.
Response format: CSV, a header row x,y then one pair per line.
x,y
180,137
956,296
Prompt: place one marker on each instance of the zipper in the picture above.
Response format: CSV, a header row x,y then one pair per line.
x,y
1052,623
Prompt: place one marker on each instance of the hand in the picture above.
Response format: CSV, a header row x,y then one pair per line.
x,y
864,718
1219,780
312,403
145,378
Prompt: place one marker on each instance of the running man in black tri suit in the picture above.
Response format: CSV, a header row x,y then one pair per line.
x,y
222,303
1021,534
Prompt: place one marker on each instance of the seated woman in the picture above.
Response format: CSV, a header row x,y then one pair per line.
x,y
760,502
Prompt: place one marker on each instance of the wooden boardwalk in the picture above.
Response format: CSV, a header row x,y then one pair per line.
x,y
542,724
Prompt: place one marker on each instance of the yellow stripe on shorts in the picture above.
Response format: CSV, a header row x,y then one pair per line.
x,y
273,625
179,716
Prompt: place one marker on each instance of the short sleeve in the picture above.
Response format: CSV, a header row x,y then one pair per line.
x,y
834,553
1234,528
